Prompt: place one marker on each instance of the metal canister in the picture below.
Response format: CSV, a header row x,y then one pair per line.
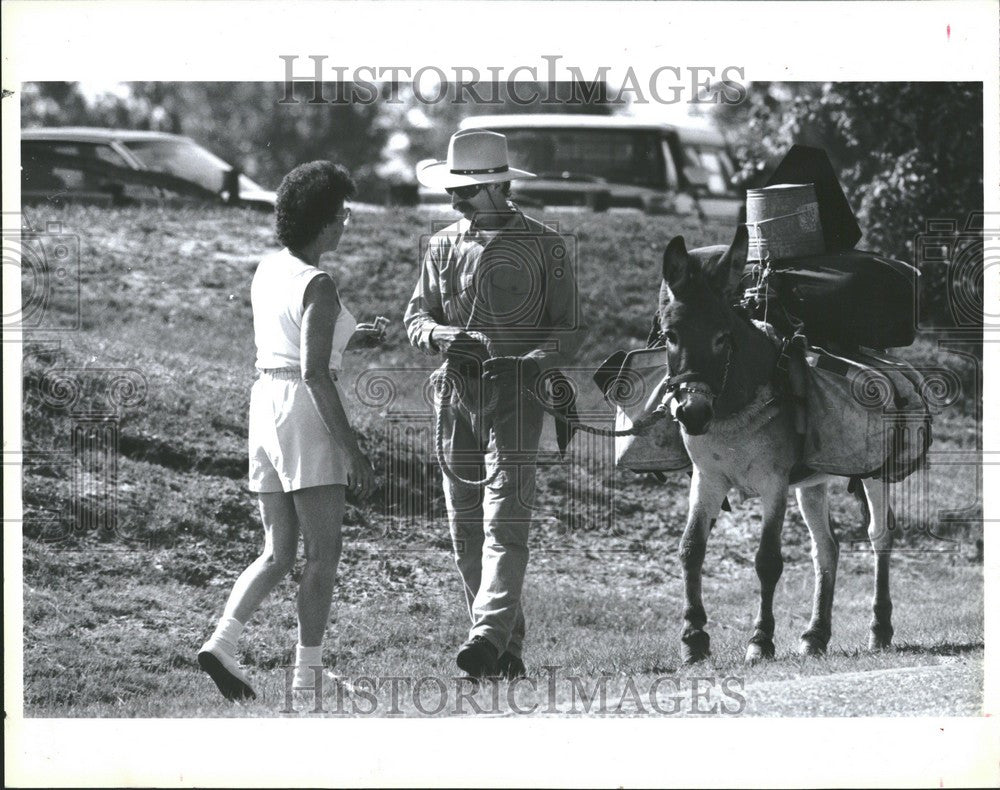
x,y
783,222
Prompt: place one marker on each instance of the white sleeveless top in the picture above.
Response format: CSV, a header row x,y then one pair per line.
x,y
276,296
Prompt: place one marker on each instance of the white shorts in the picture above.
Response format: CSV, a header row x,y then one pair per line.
x,y
290,447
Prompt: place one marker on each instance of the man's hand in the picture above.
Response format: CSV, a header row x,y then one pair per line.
x,y
512,370
458,343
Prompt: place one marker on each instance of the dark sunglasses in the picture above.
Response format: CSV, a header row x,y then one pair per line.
x,y
465,193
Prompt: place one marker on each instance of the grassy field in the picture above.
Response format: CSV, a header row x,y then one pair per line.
x,y
112,618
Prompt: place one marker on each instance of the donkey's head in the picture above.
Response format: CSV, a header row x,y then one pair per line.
x,y
697,323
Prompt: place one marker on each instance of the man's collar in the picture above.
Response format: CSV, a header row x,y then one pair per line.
x,y
515,221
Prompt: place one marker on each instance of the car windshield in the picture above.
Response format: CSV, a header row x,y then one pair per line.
x,y
187,160
620,156
715,162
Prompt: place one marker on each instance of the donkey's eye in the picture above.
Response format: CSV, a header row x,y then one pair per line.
x,y
720,340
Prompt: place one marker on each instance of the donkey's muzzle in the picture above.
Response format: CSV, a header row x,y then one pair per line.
x,y
694,412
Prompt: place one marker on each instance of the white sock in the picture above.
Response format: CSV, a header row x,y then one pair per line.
x,y
227,632
305,659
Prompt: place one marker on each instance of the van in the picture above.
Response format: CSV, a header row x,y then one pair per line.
x,y
604,162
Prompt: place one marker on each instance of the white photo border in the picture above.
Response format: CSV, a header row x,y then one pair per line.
x,y
178,41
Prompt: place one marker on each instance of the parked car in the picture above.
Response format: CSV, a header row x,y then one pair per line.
x,y
121,167
611,161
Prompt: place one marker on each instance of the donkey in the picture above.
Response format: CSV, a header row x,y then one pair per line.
x,y
739,430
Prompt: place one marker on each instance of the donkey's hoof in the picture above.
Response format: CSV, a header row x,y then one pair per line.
x,y
879,642
759,650
811,646
694,647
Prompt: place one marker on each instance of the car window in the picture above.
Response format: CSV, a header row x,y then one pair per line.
x,y
668,158
691,156
619,156
67,149
180,158
187,160
105,153
714,162
40,177
716,176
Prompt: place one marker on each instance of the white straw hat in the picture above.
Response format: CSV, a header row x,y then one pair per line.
x,y
475,156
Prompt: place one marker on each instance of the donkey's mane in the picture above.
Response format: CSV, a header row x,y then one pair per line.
x,y
752,365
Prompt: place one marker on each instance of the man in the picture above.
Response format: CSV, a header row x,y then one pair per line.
x,y
510,278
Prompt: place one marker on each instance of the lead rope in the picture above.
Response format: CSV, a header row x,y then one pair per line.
x,y
445,394
641,425
445,390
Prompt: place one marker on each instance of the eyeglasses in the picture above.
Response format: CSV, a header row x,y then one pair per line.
x,y
465,193
345,218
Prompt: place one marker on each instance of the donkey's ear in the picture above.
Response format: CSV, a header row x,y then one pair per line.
x,y
676,265
728,271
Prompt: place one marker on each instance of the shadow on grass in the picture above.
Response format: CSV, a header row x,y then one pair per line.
x,y
943,649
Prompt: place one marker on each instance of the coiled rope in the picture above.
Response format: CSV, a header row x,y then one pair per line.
x,y
446,390
444,386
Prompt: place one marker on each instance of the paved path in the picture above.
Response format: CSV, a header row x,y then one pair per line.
x,y
947,689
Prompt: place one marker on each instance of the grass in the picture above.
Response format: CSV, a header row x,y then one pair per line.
x,y
112,619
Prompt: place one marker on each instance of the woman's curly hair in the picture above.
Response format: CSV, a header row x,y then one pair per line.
x,y
308,199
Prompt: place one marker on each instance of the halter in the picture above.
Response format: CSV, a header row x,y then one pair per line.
x,y
691,383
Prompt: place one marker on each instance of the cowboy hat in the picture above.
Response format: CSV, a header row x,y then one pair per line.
x,y
475,156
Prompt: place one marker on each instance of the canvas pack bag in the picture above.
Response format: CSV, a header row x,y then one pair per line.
x,y
865,416
909,417
634,383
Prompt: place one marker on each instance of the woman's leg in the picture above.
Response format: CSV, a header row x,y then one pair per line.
x,y
281,535
281,540
320,512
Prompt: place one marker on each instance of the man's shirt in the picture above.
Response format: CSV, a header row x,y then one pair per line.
x,y
516,285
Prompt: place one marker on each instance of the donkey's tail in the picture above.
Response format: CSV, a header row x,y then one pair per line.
x,y
856,487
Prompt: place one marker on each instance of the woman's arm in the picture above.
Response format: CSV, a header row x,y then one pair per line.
x,y
322,306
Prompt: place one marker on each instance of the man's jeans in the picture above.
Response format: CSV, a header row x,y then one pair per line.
x,y
489,526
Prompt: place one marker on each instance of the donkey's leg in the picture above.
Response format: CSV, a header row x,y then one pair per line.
x,y
769,566
704,503
881,528
815,506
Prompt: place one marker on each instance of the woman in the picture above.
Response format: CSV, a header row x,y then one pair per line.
x,y
303,454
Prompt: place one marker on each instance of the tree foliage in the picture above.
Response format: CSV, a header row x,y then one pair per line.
x,y
908,154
